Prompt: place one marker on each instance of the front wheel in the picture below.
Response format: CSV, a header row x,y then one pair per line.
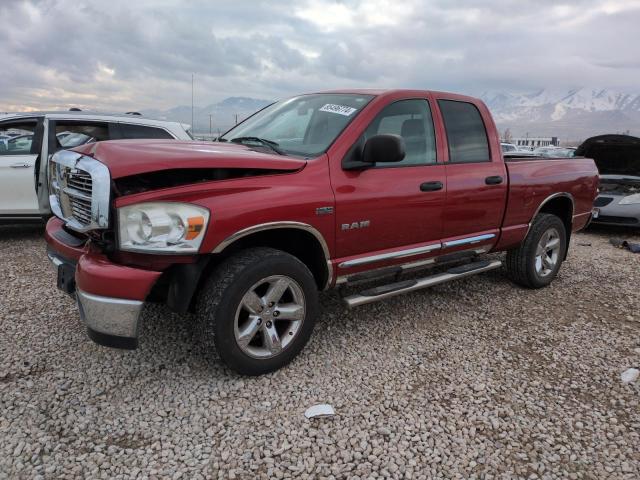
x,y
535,263
258,308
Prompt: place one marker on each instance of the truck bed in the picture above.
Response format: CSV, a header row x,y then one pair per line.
x,y
532,180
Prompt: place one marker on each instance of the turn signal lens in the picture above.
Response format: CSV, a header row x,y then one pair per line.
x,y
195,225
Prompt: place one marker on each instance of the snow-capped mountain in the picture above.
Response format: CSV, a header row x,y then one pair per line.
x,y
219,116
571,115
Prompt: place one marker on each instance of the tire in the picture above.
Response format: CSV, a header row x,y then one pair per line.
x,y
235,316
530,265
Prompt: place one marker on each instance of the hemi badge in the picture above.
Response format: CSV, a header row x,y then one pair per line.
x,y
324,210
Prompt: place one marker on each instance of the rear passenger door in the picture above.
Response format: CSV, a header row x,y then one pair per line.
x,y
476,176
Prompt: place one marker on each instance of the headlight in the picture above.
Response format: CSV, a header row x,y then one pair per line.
x,y
630,200
165,227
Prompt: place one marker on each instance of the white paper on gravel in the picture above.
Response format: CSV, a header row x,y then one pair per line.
x,y
630,375
320,410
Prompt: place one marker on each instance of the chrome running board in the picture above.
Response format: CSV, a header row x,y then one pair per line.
x,y
391,290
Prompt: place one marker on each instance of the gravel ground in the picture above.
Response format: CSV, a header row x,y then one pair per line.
x,y
476,379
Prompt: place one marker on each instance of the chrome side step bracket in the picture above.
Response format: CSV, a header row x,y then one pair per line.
x,y
393,289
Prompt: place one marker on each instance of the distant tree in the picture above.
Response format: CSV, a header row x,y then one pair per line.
x,y
506,136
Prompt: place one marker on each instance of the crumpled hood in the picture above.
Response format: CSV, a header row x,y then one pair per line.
x,y
613,154
125,158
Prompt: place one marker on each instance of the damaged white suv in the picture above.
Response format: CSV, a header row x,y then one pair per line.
x,y
30,139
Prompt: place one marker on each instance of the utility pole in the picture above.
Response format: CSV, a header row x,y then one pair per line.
x,y
211,125
236,118
192,125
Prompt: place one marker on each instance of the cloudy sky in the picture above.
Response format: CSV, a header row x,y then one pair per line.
x,y
140,54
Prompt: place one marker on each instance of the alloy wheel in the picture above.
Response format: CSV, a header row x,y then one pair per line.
x,y
269,316
547,252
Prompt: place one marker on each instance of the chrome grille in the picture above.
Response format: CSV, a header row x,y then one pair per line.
x,y
81,181
81,209
79,191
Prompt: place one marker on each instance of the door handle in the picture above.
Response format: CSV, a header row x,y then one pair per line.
x,y
430,186
20,165
495,180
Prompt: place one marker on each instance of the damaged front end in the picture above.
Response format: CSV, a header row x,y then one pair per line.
x,y
619,185
619,201
177,177
618,161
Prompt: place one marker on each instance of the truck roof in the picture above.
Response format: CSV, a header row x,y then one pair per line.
x,y
379,92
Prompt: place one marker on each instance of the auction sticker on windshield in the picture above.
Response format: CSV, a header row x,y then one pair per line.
x,y
339,109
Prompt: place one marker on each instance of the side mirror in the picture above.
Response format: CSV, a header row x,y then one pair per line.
x,y
379,148
383,148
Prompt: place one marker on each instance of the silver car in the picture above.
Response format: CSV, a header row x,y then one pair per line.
x,y
618,160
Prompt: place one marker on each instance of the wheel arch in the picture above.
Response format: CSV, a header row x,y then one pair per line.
x,y
301,240
562,205
180,284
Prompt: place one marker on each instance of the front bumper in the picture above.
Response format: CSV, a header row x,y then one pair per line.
x,y
611,212
110,296
112,322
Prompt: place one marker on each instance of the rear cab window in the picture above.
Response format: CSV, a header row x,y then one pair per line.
x,y
466,133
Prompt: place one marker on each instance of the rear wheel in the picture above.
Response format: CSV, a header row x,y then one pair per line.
x,y
536,262
258,309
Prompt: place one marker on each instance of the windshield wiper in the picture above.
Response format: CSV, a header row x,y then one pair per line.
x,y
267,143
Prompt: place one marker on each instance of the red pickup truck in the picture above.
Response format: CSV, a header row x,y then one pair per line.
x,y
313,192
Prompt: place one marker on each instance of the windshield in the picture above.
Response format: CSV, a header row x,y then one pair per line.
x,y
305,125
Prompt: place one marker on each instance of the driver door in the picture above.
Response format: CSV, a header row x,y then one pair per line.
x,y
392,213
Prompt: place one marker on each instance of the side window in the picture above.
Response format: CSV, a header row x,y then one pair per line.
x,y
16,138
466,134
411,119
73,134
130,130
